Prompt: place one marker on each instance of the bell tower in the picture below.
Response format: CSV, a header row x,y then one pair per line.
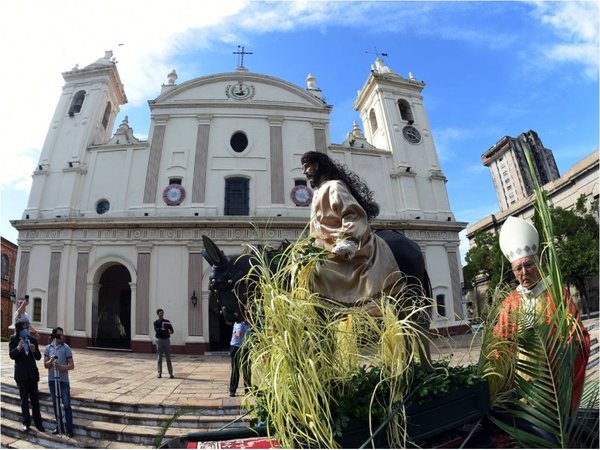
x,y
394,119
86,111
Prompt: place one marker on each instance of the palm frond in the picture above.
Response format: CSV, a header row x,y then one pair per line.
x,y
301,347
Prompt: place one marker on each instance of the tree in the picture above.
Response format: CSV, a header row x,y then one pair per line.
x,y
484,258
576,240
485,267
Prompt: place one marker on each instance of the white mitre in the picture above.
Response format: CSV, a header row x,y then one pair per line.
x,y
518,238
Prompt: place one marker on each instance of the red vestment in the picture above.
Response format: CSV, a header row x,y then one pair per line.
x,y
506,328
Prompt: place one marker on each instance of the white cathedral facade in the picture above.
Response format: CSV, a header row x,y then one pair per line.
x,y
113,227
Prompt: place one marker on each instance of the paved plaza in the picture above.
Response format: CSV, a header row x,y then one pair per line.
x,y
200,380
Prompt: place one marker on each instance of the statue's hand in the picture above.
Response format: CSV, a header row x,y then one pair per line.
x,y
346,248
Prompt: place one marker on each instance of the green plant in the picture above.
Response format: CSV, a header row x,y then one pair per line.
x,y
428,385
309,354
351,398
162,432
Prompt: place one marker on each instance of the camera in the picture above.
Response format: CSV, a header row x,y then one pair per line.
x,y
53,357
26,297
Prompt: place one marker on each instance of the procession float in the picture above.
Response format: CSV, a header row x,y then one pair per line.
x,y
327,375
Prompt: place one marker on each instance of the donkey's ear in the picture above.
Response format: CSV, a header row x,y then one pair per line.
x,y
207,257
212,253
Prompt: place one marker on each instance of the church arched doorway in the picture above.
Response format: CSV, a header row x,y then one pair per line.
x,y
112,327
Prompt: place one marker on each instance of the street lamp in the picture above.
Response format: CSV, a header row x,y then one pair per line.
x,y
13,297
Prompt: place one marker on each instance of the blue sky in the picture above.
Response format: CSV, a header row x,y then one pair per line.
x,y
491,69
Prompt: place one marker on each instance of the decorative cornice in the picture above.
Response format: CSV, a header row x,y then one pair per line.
x,y
436,174
183,231
57,247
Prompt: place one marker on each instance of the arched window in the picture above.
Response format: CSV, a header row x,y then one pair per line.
x,y
405,111
373,120
106,115
77,103
37,309
440,303
237,197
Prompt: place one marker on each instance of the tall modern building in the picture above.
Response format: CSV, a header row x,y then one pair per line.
x,y
508,166
113,227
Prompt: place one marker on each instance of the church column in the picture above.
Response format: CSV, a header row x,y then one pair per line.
x,y
142,304
132,318
80,305
276,142
156,147
406,198
195,313
91,320
23,270
438,185
457,304
201,161
53,279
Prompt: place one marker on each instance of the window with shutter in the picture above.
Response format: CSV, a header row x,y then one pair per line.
x,y
237,197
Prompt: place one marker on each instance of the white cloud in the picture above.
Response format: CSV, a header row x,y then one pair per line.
x,y
476,169
46,38
448,138
43,39
577,25
578,53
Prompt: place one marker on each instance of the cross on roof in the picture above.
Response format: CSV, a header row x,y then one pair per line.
x,y
241,56
375,52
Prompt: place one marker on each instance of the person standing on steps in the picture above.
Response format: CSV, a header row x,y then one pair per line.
x,y
24,350
58,359
239,357
163,330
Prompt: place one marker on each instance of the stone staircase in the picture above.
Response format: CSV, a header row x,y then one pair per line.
x,y
100,424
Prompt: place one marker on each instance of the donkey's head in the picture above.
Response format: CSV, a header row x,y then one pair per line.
x,y
224,282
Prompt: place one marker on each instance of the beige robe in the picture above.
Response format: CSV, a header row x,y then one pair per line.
x,y
336,215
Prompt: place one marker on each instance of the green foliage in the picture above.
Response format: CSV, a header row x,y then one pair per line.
x,y
485,259
577,242
308,355
444,379
159,439
351,398
543,384
364,395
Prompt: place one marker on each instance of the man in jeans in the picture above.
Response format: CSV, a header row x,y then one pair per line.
x,y
58,358
239,358
164,330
